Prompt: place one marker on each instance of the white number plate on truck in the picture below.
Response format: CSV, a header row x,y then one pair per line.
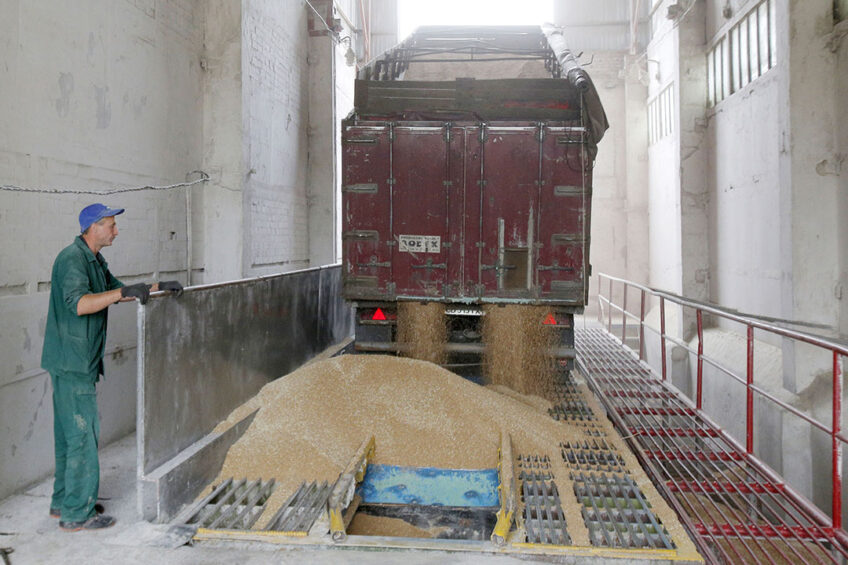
x,y
419,243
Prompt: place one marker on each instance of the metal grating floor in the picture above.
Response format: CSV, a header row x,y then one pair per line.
x,y
232,505
303,507
616,513
734,511
544,520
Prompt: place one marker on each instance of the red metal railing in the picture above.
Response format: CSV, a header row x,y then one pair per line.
x,y
837,351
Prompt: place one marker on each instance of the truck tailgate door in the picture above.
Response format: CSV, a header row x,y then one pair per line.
x,y
366,221
420,210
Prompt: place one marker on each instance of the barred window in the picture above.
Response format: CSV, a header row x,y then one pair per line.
x,y
744,54
660,114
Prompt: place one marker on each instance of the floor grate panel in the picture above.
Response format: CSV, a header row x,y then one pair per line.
x,y
544,520
232,505
301,509
734,511
616,513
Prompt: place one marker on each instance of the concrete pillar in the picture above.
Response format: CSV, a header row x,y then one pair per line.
x,y
678,201
694,199
322,186
636,171
812,239
839,43
218,233
331,84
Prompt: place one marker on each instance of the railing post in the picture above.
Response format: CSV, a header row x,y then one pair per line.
x,y
749,413
609,309
700,381
837,443
662,335
600,301
624,316
642,328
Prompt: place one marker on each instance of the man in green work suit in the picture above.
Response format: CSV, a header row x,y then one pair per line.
x,y
82,289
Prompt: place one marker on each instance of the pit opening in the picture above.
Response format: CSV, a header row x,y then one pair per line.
x,y
426,502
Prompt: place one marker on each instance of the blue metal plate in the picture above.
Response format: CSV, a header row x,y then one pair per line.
x,y
429,486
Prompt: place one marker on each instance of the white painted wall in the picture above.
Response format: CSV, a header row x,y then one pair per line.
x,y
93,95
275,96
745,210
619,245
665,246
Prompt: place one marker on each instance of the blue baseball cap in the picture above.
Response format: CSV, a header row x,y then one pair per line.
x,y
94,213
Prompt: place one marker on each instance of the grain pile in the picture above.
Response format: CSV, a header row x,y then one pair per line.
x,y
423,330
311,422
517,348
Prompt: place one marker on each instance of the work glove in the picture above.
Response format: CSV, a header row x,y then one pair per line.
x,y
173,286
140,291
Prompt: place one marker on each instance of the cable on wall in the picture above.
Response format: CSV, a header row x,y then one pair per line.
x,y
13,188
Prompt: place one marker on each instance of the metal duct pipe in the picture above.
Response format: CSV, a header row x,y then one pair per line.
x,y
571,68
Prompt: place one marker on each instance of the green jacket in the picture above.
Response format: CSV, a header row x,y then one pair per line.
x,y
74,343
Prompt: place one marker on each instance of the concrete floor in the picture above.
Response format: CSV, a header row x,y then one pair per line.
x,y
35,537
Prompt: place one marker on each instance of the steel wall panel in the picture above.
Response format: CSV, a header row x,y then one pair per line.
x,y
510,204
420,210
205,353
566,198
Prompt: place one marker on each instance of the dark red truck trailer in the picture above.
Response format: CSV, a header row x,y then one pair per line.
x,y
465,190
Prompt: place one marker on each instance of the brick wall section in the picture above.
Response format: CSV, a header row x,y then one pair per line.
x,y
276,104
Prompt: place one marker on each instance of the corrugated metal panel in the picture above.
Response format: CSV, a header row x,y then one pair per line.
x,y
384,17
598,38
380,43
581,12
601,25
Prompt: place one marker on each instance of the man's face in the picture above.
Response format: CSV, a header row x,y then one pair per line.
x,y
104,232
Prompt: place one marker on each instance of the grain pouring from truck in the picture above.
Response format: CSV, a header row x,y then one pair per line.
x,y
467,192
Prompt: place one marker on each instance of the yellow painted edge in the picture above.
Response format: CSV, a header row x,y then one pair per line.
x,y
669,554
251,533
336,520
502,526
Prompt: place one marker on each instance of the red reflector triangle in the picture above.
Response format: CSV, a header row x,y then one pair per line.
x,y
550,320
378,315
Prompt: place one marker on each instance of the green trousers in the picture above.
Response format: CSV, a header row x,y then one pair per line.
x,y
76,431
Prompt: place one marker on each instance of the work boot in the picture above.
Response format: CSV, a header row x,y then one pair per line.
x,y
98,522
57,512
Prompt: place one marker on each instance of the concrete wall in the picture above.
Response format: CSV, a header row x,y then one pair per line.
x,y
93,95
619,244
678,201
